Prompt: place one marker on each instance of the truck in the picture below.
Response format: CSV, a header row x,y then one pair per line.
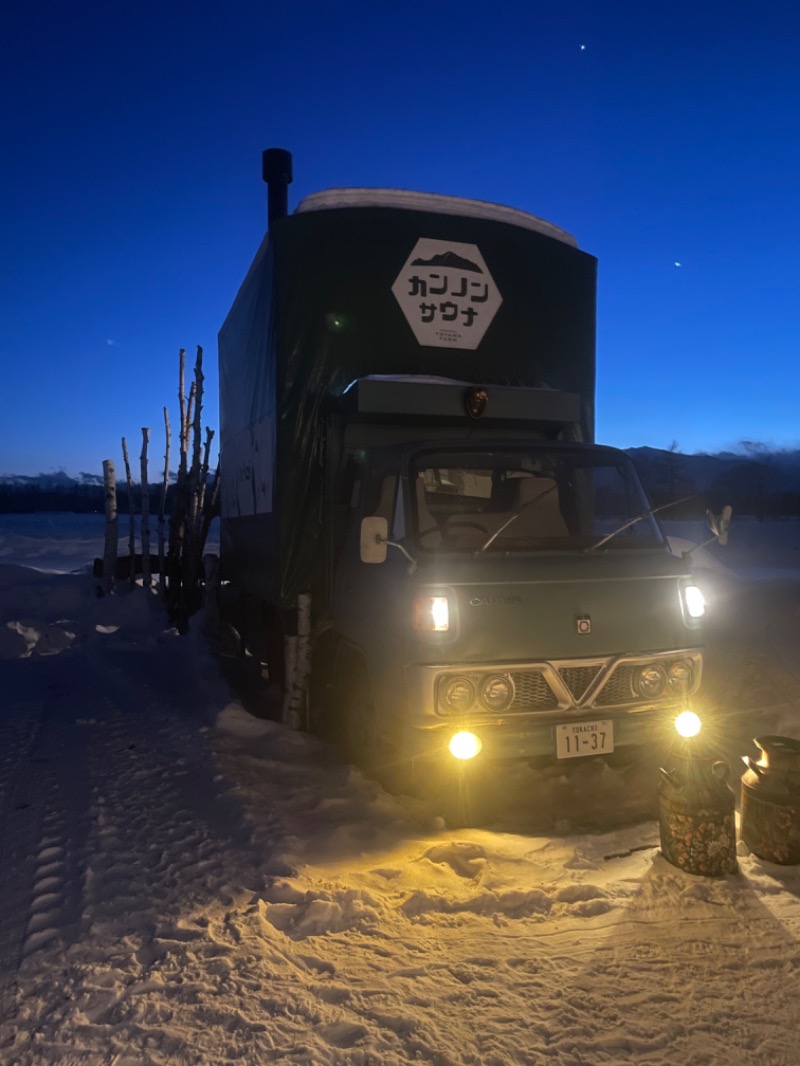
x,y
426,547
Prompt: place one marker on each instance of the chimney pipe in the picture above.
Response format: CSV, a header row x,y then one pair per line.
x,y
276,170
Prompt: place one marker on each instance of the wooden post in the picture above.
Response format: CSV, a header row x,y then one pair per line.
x,y
162,508
145,512
177,523
210,506
131,513
110,554
204,470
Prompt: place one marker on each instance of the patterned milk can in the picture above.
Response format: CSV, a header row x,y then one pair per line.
x,y
697,818
770,809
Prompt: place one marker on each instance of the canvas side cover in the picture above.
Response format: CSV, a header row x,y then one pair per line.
x,y
248,419
341,293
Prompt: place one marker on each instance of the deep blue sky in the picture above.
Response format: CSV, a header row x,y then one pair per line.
x,y
657,133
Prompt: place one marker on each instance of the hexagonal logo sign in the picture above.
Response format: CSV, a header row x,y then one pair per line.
x,y
447,294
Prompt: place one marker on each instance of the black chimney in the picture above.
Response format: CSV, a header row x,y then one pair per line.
x,y
276,170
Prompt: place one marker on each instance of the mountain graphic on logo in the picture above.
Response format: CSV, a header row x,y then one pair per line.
x,y
448,259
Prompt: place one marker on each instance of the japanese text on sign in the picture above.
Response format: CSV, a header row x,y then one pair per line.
x,y
447,294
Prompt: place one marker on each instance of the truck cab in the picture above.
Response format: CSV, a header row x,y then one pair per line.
x,y
499,585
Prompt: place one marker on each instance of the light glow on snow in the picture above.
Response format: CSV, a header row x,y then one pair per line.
x,y
184,879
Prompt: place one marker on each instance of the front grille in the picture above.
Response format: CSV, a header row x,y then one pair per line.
x,y
578,678
532,692
553,686
618,688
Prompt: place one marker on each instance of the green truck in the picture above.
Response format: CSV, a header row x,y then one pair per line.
x,y
425,545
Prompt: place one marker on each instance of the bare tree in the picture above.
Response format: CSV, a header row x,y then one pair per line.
x,y
194,504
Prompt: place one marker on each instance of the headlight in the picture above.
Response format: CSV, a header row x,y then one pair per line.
x,y
650,681
458,694
432,614
680,676
695,601
497,692
465,745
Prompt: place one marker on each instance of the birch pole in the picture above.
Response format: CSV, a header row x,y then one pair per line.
x,y
177,526
193,487
298,667
162,577
131,513
210,506
145,512
110,553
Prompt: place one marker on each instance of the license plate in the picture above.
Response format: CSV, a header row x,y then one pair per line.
x,y
584,738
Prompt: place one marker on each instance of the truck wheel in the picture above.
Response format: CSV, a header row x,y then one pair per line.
x,y
362,741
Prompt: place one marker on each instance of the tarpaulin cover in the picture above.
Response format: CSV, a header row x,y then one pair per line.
x,y
317,311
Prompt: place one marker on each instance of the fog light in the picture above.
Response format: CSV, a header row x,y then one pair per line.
x,y
688,724
465,745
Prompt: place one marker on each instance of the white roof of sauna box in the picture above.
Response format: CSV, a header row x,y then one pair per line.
x,y
435,203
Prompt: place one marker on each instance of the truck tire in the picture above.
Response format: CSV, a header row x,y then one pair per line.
x,y
363,742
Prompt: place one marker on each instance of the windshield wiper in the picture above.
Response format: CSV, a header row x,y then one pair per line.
x,y
516,514
638,518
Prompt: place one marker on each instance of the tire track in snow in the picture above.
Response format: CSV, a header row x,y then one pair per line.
x,y
161,838
19,819
47,819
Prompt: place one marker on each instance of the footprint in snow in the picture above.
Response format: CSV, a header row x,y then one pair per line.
x,y
464,859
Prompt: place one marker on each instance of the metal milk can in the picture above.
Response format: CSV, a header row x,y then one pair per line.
x,y
770,809
697,819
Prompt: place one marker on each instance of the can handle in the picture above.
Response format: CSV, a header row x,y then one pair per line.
x,y
672,777
752,765
721,771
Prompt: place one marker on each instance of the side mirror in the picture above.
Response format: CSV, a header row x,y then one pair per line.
x,y
720,526
374,537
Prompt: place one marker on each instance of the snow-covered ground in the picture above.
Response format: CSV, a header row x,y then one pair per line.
x,y
182,882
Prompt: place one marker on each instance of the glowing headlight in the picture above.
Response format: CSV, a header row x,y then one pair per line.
x,y
680,676
432,614
695,601
497,692
688,724
465,745
650,680
458,694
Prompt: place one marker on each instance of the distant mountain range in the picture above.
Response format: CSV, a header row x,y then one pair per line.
x,y
756,482
57,491
51,481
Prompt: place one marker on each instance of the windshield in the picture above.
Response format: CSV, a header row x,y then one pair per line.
x,y
551,499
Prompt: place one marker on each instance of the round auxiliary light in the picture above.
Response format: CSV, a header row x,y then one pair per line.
x,y
465,746
688,724
650,680
497,692
680,676
458,694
